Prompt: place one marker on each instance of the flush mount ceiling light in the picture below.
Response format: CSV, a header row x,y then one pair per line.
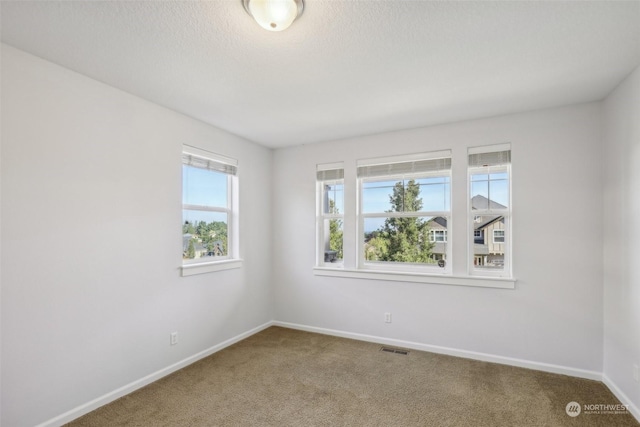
x,y
274,15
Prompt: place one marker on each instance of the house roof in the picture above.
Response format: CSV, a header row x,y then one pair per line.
x,y
198,246
440,221
490,220
481,202
477,202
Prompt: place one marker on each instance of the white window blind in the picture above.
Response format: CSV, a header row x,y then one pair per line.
x,y
209,164
404,168
496,158
330,174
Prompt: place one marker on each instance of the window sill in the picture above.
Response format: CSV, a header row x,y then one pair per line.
x,y
210,267
394,276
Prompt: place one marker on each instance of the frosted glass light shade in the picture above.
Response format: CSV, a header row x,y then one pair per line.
x,y
274,15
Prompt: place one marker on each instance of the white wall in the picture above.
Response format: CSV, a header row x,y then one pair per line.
x,y
90,247
621,152
91,213
553,316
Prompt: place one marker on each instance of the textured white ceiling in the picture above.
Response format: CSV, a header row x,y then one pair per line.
x,y
345,68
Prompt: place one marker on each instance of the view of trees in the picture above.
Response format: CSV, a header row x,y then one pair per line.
x,y
335,231
211,237
401,239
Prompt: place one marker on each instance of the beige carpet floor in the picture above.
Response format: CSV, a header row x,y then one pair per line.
x,y
284,377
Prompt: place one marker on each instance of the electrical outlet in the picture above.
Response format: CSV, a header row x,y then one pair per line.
x,y
173,338
387,318
636,375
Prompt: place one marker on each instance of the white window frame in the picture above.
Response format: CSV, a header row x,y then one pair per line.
x,y
506,271
458,273
477,234
232,259
327,174
432,235
498,242
362,263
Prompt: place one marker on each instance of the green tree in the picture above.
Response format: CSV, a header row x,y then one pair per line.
x,y
403,239
335,231
188,228
191,250
212,235
217,235
376,248
202,230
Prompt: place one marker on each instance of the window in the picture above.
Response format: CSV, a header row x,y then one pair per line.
x,y
490,210
395,223
330,219
404,211
438,235
209,207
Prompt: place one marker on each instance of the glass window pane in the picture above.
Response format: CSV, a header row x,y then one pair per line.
x,y
479,193
204,234
479,177
333,239
498,175
490,191
376,196
499,191
407,195
420,239
333,198
434,193
488,254
203,187
438,235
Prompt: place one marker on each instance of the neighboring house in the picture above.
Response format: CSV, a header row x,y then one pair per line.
x,y
438,235
488,235
200,250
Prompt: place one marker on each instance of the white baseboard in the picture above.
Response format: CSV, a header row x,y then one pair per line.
x,y
538,366
131,387
485,357
623,398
